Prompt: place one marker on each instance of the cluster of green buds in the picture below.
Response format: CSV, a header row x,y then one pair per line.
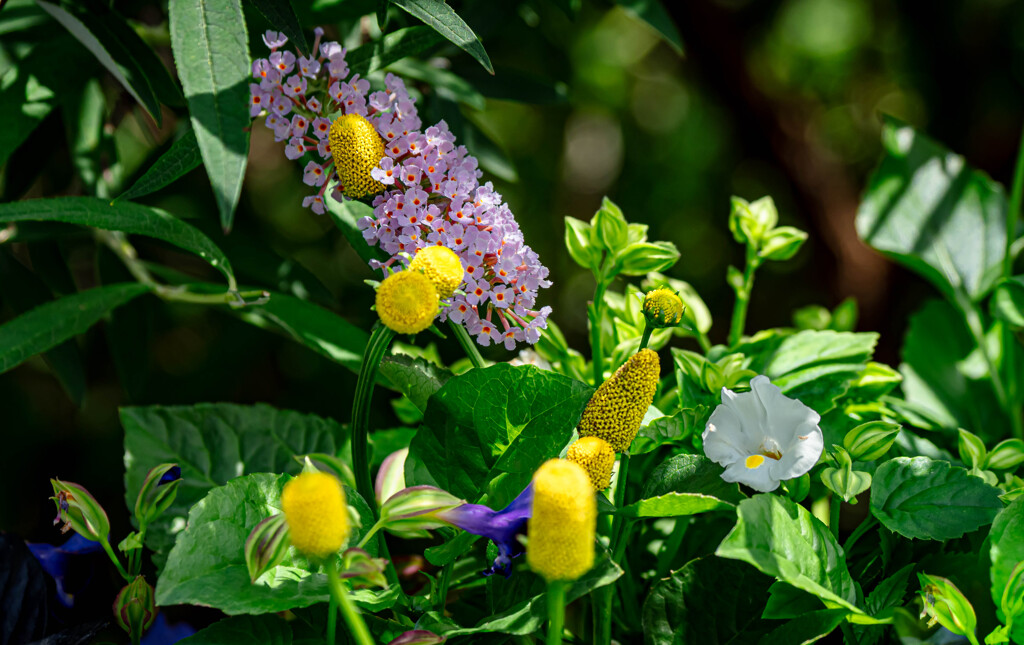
x,y
754,224
842,479
946,605
157,493
1006,455
135,607
608,245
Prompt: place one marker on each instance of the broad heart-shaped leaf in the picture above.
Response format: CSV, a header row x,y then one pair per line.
x,y
181,158
244,630
51,324
709,601
675,505
393,47
446,22
281,15
918,497
215,443
929,210
93,32
488,430
691,474
784,540
211,51
207,564
814,367
124,216
1007,539
414,377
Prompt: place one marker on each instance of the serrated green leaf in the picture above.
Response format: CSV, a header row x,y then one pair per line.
x,y
499,424
213,443
208,557
393,47
281,15
414,377
784,540
889,592
446,22
932,500
181,158
243,630
691,474
51,324
123,216
211,52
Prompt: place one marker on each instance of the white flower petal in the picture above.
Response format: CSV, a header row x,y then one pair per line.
x,y
760,478
749,410
784,415
724,438
802,455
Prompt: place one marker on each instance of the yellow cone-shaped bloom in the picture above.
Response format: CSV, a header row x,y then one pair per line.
x,y
595,456
618,407
442,266
357,149
563,521
407,302
317,515
663,308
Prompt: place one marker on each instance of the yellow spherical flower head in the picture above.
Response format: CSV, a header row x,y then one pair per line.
x,y
618,407
357,149
317,515
595,456
663,308
442,266
407,302
563,522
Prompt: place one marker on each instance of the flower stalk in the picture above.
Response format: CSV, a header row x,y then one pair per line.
x,y
339,592
743,289
376,349
556,611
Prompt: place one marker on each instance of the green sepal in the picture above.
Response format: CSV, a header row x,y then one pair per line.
x,y
266,545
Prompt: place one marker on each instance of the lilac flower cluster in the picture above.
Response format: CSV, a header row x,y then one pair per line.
x,y
315,90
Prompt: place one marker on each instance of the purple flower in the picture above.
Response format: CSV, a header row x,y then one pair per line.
x,y
173,474
274,39
58,561
502,527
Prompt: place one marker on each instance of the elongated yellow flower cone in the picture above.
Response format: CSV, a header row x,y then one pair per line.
x,y
317,515
663,308
407,302
618,407
442,266
563,522
357,149
596,457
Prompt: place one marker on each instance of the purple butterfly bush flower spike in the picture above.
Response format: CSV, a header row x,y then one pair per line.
x,y
502,527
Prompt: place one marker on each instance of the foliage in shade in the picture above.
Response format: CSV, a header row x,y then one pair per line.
x,y
181,158
443,19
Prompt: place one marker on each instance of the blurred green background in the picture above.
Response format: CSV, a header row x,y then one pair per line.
x,y
764,97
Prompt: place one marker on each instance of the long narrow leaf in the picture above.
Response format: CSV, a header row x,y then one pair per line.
x,y
281,14
182,157
446,22
393,47
211,51
122,216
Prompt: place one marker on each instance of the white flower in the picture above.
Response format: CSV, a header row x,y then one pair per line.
x,y
762,437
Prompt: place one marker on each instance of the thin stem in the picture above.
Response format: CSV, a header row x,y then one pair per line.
x,y
739,312
620,499
859,532
1013,211
833,515
369,534
556,611
349,611
671,546
376,348
113,558
332,620
596,314
442,588
468,345
646,338
605,596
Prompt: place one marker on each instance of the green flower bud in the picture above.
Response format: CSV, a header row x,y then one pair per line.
x,y
363,570
946,605
79,511
157,493
871,440
610,226
322,462
1012,602
751,221
411,512
391,476
134,607
418,637
844,480
972,449
1006,455
266,545
782,243
663,308
579,241
641,258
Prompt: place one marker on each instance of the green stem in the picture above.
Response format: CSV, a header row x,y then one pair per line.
x,y
620,499
113,558
705,342
604,597
739,312
671,546
442,588
349,611
596,314
468,345
1013,212
859,532
833,515
378,525
332,620
376,348
646,338
556,611
973,319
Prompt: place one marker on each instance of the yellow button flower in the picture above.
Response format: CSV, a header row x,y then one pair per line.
x,y
357,149
596,457
663,308
317,515
407,302
564,519
442,266
618,407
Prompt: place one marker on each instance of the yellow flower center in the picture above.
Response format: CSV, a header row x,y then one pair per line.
x,y
617,409
357,149
442,266
317,515
407,302
596,457
753,461
563,521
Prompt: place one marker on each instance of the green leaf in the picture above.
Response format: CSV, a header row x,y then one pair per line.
x,y
691,474
393,47
653,13
1007,539
784,540
815,367
346,215
213,443
181,158
1008,301
709,601
889,592
446,22
414,377
499,424
94,32
675,505
665,430
447,84
926,208
211,51
932,500
124,216
281,15
208,557
808,628
51,324
243,630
